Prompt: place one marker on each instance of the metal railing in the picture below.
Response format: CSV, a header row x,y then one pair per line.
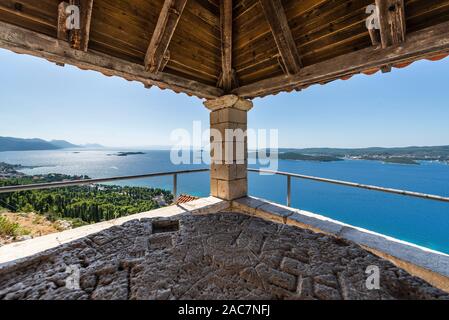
x,y
347,184
69,183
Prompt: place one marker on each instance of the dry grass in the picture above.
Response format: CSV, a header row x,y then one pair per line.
x,y
14,224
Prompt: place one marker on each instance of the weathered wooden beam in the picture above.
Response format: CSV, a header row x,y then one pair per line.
x,y
165,28
79,38
62,21
275,15
391,22
226,44
75,34
420,44
24,41
86,18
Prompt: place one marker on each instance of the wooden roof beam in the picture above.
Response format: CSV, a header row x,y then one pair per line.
x,y
275,15
226,78
79,38
391,22
420,44
25,41
86,18
165,28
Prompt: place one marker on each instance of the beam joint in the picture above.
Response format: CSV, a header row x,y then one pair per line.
x,y
165,28
277,19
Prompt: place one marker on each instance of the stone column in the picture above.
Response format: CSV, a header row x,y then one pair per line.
x,y
229,150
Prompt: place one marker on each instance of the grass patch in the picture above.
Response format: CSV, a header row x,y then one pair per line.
x,y
11,229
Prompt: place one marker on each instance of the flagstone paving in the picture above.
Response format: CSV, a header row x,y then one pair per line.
x,y
219,256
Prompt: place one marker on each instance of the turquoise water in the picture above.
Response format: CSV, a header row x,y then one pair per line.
x,y
419,221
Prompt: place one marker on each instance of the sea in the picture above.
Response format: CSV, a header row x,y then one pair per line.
x,y
419,221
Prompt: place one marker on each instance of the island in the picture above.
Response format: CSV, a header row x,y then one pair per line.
x,y
125,154
304,157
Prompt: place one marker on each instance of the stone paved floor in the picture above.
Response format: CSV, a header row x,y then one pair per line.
x,y
223,256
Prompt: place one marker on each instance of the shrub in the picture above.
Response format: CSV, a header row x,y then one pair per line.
x,y
12,229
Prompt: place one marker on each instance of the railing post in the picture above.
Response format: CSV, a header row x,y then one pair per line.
x,y
175,186
289,191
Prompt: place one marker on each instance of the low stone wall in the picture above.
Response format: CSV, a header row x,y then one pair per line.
x,y
427,264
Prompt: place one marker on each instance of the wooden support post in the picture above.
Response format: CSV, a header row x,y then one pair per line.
x,y
62,19
165,28
225,81
275,15
78,38
86,18
391,22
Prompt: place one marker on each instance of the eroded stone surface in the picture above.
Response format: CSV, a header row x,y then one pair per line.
x,y
221,256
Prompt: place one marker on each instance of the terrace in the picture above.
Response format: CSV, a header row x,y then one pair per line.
x,y
229,245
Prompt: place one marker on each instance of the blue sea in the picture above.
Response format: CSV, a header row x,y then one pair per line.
x,y
418,221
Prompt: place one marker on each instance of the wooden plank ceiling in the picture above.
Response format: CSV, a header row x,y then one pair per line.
x,y
210,47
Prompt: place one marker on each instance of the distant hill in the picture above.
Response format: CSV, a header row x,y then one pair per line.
x,y
304,157
62,144
18,144
402,155
435,152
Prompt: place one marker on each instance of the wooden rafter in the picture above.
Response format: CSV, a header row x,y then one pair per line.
x,y
226,44
391,22
62,18
165,28
275,15
86,18
420,44
25,41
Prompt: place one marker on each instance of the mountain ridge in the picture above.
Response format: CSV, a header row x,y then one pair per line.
x,y
21,144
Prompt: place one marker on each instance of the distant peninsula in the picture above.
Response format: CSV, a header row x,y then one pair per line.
x,y
19,144
402,155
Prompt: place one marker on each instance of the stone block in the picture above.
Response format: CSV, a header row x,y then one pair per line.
x,y
214,117
228,131
234,189
232,116
214,187
295,267
235,152
228,101
247,205
273,212
228,171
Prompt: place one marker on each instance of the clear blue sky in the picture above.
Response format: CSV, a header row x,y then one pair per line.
x,y
405,107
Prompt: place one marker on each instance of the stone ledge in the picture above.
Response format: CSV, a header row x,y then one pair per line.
x,y
430,265
16,251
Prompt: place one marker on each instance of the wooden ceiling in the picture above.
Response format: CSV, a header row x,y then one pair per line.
x,y
209,48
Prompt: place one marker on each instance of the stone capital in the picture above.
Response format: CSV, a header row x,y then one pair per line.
x,y
228,101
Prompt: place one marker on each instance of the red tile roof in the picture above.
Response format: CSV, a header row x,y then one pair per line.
x,y
184,198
